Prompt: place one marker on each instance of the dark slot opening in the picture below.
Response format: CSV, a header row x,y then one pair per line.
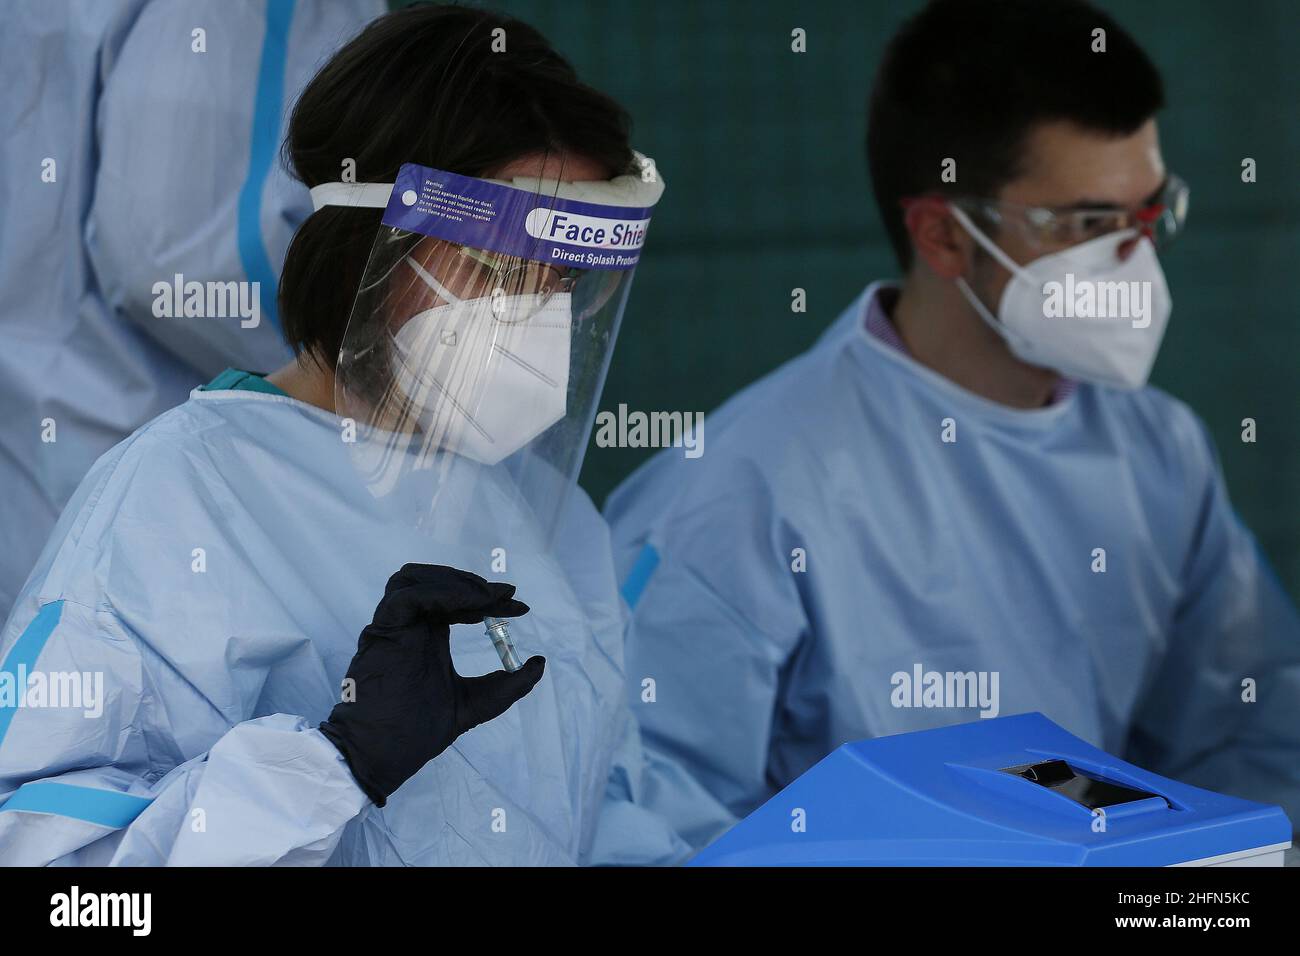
x,y
1092,793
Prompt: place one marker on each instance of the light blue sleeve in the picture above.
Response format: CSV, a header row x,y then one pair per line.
x,y
715,619
630,831
113,781
189,184
655,812
1224,710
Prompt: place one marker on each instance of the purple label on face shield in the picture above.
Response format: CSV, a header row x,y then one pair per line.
x,y
516,222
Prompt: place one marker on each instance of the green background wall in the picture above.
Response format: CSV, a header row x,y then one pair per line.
x,y
767,190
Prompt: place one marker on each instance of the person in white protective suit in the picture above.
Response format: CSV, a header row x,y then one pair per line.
x,y
140,145
453,307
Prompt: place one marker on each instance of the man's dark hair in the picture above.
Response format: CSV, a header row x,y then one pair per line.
x,y
969,79
423,85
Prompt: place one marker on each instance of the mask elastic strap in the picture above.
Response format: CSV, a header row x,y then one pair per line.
x,y
964,287
446,294
988,244
982,310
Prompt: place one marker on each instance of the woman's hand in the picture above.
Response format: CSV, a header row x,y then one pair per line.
x,y
405,703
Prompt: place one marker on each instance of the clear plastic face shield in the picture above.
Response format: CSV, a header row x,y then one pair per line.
x,y
479,341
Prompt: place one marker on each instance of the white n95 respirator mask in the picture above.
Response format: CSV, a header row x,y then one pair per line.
x,y
485,376
1083,311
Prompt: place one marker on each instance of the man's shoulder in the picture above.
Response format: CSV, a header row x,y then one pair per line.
x,y
759,445
1159,427
800,402
1171,419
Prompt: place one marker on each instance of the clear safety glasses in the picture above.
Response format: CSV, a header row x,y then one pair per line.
x,y
1161,218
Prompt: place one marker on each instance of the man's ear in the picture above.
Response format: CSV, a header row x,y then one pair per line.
x,y
938,239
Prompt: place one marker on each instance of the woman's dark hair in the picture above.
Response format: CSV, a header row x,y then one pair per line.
x,y
970,79
423,85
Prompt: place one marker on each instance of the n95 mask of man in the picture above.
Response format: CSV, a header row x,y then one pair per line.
x,y
482,379
1083,311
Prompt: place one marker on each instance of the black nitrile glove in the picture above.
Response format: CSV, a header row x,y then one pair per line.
x,y
409,703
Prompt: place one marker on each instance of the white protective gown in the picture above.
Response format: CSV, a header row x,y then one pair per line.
x,y
217,568
127,158
830,539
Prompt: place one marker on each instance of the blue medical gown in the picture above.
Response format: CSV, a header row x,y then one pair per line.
x,y
165,163
217,568
975,555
